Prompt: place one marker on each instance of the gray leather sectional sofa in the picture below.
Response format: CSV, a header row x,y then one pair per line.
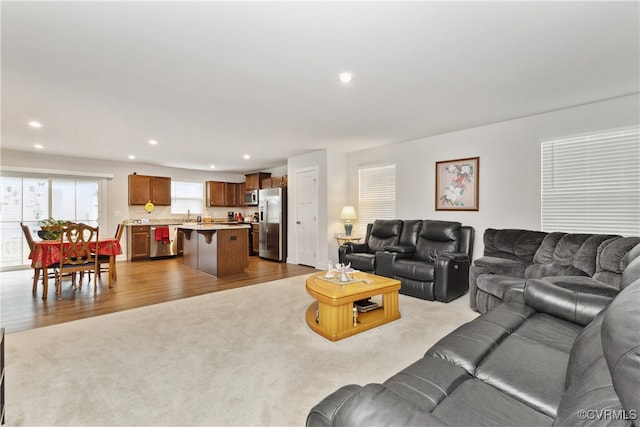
x,y
555,356
586,262
430,258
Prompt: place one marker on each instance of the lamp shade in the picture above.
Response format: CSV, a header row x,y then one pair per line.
x,y
348,213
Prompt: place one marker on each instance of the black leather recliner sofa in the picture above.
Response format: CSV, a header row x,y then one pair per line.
x,y
430,258
559,358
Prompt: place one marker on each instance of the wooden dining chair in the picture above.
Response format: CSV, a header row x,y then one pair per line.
x,y
104,259
36,271
76,255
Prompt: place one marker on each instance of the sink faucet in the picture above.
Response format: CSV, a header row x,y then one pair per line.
x,y
188,215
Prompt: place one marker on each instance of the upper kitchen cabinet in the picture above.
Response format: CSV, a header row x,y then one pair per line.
x,y
222,193
254,180
144,188
241,187
275,181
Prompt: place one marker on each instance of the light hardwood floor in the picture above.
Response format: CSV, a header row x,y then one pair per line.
x,y
139,284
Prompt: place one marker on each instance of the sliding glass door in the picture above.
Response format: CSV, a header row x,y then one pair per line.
x,y
30,200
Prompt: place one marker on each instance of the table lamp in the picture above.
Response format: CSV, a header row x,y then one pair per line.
x,y
348,213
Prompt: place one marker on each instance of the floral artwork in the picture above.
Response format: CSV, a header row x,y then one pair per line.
x,y
457,184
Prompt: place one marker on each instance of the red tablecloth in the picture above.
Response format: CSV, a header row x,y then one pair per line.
x,y
47,252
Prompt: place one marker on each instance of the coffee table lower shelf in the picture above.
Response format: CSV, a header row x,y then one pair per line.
x,y
338,323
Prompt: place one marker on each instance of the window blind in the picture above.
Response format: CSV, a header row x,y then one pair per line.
x,y
591,184
186,197
377,195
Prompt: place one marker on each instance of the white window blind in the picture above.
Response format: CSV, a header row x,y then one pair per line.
x,y
377,195
591,184
187,197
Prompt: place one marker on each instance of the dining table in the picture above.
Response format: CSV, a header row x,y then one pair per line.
x,y
46,254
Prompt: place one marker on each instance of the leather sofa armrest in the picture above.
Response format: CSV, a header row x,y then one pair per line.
x,y
357,247
451,275
401,249
373,404
350,247
569,304
323,413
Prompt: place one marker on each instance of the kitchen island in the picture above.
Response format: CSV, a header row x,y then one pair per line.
x,y
216,249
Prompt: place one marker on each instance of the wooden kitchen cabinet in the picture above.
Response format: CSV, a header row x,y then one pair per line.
x,y
254,180
222,193
144,188
216,193
231,196
138,243
240,189
275,181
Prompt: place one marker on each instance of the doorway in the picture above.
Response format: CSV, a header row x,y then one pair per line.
x,y
306,216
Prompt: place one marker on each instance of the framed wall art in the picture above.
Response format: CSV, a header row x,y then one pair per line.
x,y
457,184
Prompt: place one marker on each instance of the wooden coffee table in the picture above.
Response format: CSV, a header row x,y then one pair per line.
x,y
332,314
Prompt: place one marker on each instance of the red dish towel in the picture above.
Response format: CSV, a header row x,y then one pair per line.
x,y
162,234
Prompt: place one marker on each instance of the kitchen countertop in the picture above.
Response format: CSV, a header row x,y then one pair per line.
x,y
212,226
181,223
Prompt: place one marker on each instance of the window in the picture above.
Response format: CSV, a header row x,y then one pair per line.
x,y
186,197
591,184
30,200
377,195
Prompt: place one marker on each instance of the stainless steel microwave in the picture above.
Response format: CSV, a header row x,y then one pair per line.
x,y
251,198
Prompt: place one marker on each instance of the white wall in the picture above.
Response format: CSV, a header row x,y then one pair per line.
x,y
509,164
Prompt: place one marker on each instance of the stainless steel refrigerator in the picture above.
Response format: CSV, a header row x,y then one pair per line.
x,y
272,209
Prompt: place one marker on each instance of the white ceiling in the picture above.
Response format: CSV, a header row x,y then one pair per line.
x,y
211,81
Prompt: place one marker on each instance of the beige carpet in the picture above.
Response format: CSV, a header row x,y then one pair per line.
x,y
241,357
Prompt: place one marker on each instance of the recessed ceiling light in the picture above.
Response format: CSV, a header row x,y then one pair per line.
x,y
246,157
153,142
212,166
345,77
39,146
35,124
132,157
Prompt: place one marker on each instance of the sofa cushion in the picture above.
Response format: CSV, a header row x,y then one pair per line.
x,y
435,238
384,232
564,254
538,271
361,261
528,371
518,245
469,344
502,266
428,381
416,270
475,403
613,258
497,285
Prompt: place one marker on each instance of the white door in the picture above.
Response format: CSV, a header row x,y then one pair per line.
x,y
307,216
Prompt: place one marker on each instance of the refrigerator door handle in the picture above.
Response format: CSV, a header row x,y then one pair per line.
x,y
266,214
